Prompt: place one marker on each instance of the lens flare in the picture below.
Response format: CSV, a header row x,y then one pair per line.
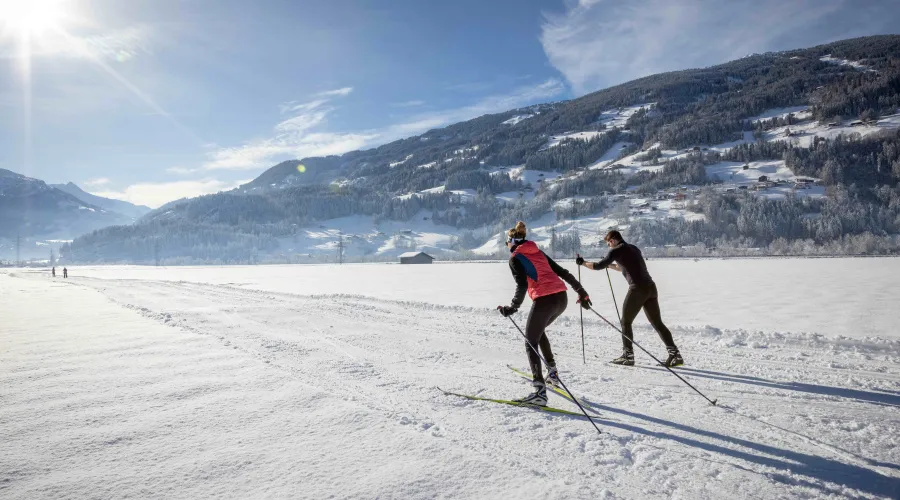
x,y
301,168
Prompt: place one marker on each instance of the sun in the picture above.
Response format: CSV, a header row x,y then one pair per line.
x,y
31,18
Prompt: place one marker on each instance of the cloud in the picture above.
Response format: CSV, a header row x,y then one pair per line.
x,y
157,194
102,181
117,45
299,136
181,170
408,104
336,92
292,106
599,43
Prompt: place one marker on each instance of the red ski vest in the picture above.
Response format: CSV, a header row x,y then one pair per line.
x,y
541,278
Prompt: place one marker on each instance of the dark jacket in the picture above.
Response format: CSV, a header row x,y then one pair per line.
x,y
520,273
629,257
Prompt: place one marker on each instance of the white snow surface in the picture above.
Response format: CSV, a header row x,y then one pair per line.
x,y
611,155
516,119
321,382
586,135
845,62
619,117
799,112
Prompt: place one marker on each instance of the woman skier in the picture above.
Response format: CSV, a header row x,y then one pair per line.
x,y
642,294
534,271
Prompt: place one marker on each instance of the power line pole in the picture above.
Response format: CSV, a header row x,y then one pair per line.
x,y
340,247
18,246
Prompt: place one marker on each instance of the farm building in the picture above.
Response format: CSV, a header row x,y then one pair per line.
x,y
416,258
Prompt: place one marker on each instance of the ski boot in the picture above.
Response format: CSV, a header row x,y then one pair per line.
x,y
626,359
674,358
536,398
552,378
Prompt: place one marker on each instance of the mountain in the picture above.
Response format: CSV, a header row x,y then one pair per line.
x,y
122,207
788,152
35,212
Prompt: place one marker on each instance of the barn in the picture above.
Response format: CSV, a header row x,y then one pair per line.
x,y
416,258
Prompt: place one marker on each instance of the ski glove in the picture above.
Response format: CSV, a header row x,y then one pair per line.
x,y
507,311
584,299
579,260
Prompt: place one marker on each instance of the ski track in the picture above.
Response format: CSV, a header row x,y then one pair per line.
x,y
799,416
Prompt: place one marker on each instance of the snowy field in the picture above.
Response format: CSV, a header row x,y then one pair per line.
x,y
321,382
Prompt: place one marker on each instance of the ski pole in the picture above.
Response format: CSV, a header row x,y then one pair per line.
x,y
581,317
613,296
711,401
533,348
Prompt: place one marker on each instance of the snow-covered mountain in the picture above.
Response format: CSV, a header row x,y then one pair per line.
x,y
780,152
39,215
122,207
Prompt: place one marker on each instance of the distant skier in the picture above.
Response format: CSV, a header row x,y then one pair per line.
x,y
53,271
65,273
642,294
537,273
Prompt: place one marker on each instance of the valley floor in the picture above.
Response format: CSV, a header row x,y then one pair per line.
x,y
114,387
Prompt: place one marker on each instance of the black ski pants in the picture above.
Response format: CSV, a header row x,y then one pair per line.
x,y
647,298
544,311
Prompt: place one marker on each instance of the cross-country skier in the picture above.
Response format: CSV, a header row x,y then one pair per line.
x,y
53,271
641,294
535,272
65,273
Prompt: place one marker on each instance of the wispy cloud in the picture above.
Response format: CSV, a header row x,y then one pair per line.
x,y
598,43
408,104
102,181
153,194
299,136
336,92
181,170
116,45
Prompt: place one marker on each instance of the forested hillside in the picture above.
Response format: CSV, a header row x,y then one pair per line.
x,y
788,152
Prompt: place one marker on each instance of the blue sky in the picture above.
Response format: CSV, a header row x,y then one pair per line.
x,y
152,100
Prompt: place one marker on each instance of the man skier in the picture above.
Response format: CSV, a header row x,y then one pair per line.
x,y
642,294
53,271
65,273
534,271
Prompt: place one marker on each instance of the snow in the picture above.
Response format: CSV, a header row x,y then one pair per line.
x,y
747,139
733,172
845,62
532,178
610,156
320,382
619,117
515,196
401,162
466,195
799,112
804,133
516,119
556,140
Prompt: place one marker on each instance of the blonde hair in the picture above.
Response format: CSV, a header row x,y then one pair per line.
x,y
517,232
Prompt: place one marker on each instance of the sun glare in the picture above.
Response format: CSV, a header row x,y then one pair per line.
x,y
31,18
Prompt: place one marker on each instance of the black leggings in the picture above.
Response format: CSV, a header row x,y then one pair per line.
x,y
544,311
646,297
